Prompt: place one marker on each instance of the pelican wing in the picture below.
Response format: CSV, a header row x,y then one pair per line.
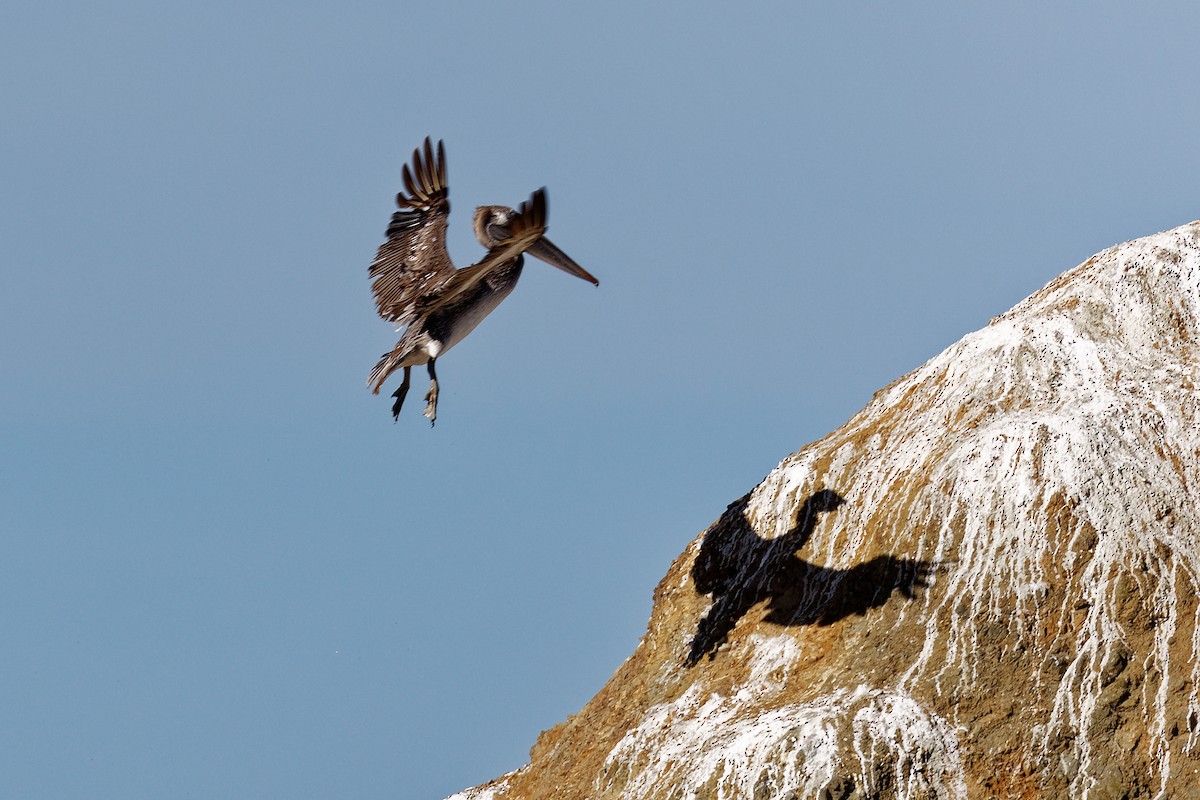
x,y
524,228
413,263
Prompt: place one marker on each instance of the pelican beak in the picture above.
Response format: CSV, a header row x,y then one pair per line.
x,y
545,250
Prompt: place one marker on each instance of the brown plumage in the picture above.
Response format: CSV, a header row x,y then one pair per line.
x,y
413,262
416,284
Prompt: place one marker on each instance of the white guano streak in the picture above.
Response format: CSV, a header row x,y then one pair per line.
x,y
711,745
1084,394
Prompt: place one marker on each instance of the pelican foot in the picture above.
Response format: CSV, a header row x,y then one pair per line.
x,y
399,395
431,398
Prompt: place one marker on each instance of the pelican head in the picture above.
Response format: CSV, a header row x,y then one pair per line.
x,y
492,228
491,224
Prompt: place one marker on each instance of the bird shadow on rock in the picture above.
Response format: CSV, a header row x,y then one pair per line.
x,y
740,569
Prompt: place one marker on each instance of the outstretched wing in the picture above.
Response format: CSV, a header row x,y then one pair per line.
x,y
524,228
413,263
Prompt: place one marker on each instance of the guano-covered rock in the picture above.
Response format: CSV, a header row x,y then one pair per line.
x,y
983,585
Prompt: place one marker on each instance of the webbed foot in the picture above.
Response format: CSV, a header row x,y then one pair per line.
x,y
399,395
431,398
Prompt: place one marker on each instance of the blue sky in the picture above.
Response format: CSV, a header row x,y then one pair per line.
x,y
224,571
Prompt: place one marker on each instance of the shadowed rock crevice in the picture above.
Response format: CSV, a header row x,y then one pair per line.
x,y
740,569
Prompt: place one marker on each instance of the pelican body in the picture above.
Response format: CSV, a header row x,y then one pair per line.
x,y
416,285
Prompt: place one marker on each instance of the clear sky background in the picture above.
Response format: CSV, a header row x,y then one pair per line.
x,y
224,571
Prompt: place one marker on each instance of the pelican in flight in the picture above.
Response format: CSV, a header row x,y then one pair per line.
x,y
416,285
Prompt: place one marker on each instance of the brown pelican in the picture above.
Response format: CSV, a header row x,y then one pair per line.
x,y
416,284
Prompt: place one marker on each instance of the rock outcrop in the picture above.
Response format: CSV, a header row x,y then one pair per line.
x,y
983,585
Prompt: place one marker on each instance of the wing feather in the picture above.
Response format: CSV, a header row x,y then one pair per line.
x,y
413,263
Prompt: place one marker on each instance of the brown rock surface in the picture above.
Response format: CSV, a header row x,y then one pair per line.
x,y
983,585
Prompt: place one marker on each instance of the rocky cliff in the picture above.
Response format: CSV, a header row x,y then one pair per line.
x,y
983,585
